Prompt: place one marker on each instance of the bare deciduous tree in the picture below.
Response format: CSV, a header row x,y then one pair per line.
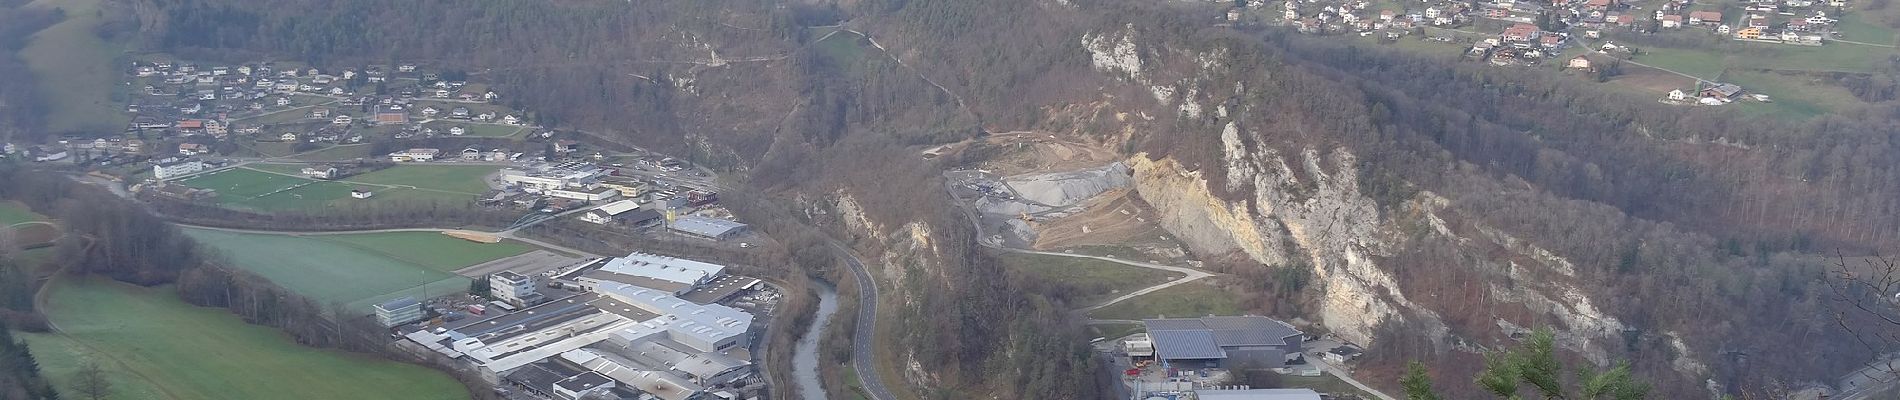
x,y
90,382
1866,304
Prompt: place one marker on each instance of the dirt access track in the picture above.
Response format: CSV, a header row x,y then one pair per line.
x,y
1022,152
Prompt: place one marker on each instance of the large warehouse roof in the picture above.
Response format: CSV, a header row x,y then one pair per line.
x,y
1205,338
1258,394
663,268
1186,345
708,227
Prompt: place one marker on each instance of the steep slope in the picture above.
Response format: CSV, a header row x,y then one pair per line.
x,y
1443,209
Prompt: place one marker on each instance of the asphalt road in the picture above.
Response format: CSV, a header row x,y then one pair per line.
x,y
865,333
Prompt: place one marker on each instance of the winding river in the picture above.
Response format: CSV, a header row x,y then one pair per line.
x,y
805,354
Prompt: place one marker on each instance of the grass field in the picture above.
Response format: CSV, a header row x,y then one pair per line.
x,y
238,185
261,190
77,70
1796,96
1115,331
429,249
474,129
14,212
331,269
1192,299
337,153
467,179
1094,280
157,347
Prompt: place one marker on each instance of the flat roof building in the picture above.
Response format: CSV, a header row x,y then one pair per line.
x,y
1257,394
709,228
668,274
513,288
398,311
1216,341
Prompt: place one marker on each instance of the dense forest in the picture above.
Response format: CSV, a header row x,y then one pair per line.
x,y
1699,225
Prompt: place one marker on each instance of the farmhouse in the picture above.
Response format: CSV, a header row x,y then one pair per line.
x,y
172,168
1219,341
1521,33
1579,62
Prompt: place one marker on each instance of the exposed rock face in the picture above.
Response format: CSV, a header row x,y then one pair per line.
x,y
1064,189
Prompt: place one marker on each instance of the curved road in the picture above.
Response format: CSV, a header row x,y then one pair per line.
x,y
864,335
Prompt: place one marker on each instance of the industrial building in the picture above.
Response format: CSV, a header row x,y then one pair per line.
x,y
1218,342
398,311
176,167
707,228
609,316
515,289
415,155
553,177
607,212
1256,394
668,274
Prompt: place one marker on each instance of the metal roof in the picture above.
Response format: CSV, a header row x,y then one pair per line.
x,y
1258,394
1230,331
1186,344
398,303
615,208
708,227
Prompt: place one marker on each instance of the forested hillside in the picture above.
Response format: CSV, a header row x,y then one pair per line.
x,y
1465,203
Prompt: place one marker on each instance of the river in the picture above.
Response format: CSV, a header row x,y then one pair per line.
x,y
805,354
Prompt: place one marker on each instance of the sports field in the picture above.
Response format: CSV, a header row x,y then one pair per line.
x,y
468,179
340,268
238,185
265,188
154,346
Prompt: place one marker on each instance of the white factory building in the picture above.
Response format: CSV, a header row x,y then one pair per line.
x,y
176,168
553,177
613,314
514,289
667,274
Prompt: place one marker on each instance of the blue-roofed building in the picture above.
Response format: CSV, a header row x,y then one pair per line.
x,y
1259,342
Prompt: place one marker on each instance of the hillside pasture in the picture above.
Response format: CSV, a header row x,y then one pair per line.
x,y
154,346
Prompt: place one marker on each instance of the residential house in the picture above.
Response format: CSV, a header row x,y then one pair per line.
x,y
1580,62
342,120
215,128
1670,21
1521,33
511,120
361,193
1678,95
471,154
459,113
1705,18
457,130
192,149
430,112
190,125
1748,33
287,137
392,118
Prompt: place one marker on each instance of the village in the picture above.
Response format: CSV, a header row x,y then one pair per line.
x,y
1571,35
